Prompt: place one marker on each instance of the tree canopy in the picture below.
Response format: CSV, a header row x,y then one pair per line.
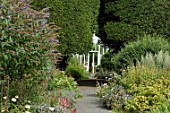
x,y
123,20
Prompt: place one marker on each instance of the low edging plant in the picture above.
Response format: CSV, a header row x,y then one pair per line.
x,y
76,70
104,75
134,50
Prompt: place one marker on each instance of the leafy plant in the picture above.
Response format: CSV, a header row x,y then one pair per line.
x,y
148,85
104,75
25,37
106,64
76,70
134,50
27,45
60,81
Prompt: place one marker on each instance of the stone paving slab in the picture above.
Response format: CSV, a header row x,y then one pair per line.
x,y
90,103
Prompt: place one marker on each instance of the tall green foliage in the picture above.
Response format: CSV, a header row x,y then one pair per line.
x,y
122,20
24,40
77,20
134,50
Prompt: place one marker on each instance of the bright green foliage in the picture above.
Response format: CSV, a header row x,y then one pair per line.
x,y
77,19
122,20
163,108
134,50
148,85
60,81
24,40
76,70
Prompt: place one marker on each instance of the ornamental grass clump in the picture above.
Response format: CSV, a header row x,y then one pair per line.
x,y
161,60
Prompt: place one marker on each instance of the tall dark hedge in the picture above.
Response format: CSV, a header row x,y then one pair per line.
x,y
123,20
77,19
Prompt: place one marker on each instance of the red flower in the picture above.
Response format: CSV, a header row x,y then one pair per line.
x,y
65,103
74,110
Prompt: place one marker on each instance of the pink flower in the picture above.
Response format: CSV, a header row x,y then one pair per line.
x,y
65,103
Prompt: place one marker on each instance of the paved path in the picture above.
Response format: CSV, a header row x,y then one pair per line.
x,y
90,103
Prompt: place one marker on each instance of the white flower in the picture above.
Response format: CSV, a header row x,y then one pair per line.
x,y
14,99
27,112
105,84
29,101
5,97
27,106
2,110
51,108
16,96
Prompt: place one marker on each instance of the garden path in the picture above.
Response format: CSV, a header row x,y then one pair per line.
x,y
90,103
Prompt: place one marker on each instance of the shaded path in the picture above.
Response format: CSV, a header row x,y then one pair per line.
x,y
90,103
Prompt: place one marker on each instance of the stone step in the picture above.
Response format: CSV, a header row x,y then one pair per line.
x,y
91,82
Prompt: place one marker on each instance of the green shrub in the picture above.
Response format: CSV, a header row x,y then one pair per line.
x,y
76,70
148,85
106,64
134,50
27,40
163,108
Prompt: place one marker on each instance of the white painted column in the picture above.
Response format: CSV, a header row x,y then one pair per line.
x,y
93,64
84,59
88,62
81,59
98,58
103,51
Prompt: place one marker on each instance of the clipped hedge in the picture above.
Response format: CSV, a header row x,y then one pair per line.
x,y
134,50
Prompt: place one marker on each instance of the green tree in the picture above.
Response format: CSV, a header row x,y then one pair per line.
x,y
123,20
77,19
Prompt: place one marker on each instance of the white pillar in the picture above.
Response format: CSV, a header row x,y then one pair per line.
x,y
93,64
98,58
103,51
84,59
88,62
80,59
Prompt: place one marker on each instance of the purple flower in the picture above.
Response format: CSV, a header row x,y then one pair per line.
x,y
44,22
57,41
25,7
46,15
23,0
0,6
45,9
1,39
9,16
10,29
51,40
